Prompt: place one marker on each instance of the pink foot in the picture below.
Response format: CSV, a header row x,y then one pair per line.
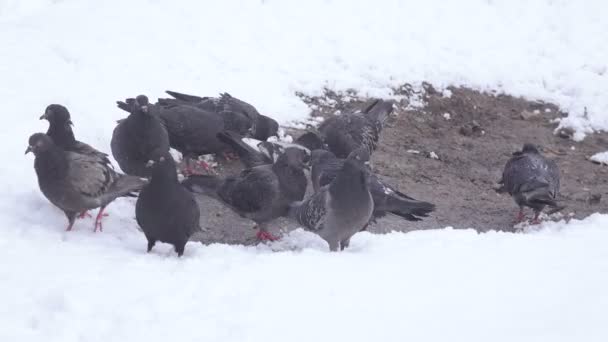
x,y
84,214
230,156
266,236
520,216
98,219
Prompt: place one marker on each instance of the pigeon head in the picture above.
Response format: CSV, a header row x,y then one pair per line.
x,y
356,171
529,148
162,166
56,113
360,155
311,141
39,143
294,157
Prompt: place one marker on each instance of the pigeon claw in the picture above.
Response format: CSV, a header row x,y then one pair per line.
x,y
520,216
84,214
264,235
98,219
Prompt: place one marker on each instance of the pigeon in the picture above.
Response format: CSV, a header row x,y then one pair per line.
x,y
532,181
165,210
138,138
264,152
260,193
60,130
346,132
340,209
76,182
261,126
387,199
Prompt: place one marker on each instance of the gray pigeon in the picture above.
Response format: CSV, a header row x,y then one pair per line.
x,y
261,193
266,152
60,130
139,138
532,181
77,182
347,132
261,127
165,210
341,209
325,168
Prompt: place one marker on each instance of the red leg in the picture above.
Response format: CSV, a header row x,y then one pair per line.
x,y
84,214
536,220
230,156
520,216
204,165
264,235
98,220
69,227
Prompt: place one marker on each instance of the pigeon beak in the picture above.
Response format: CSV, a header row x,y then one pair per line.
x,y
43,116
70,123
28,149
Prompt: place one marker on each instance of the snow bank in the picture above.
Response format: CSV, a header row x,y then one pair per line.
x,y
601,157
434,285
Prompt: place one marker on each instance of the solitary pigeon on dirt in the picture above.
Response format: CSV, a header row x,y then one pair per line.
x,y
138,138
339,210
261,127
261,193
165,210
77,182
325,168
532,181
347,132
60,130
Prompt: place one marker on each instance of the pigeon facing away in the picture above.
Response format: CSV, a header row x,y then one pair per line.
x,y
77,182
165,210
261,127
532,181
325,168
347,132
60,130
341,209
261,193
138,138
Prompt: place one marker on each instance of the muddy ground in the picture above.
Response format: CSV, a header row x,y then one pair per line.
x,y
471,135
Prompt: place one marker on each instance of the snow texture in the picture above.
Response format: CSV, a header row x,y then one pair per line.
x,y
431,285
601,157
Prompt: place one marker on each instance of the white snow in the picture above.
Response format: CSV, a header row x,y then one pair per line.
x,y
601,157
431,285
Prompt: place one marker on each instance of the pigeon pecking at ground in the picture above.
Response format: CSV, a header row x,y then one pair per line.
x,y
138,138
261,127
347,132
341,209
261,193
60,130
325,168
165,210
77,182
264,152
532,181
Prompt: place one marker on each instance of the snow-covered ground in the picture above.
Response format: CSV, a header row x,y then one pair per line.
x,y
439,285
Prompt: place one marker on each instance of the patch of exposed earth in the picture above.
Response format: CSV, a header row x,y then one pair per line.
x,y
450,149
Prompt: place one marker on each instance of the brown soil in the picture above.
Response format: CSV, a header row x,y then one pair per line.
x,y
472,147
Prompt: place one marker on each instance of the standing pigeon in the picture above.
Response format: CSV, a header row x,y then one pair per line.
x,y
60,130
347,132
261,193
325,168
341,209
77,182
139,138
261,126
165,210
532,181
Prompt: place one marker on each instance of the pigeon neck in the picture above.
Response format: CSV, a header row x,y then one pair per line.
x,y
350,178
51,164
292,181
61,134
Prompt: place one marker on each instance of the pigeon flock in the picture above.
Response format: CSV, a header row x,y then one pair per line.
x,y
335,159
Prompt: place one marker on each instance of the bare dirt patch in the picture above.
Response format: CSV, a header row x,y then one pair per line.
x,y
451,151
